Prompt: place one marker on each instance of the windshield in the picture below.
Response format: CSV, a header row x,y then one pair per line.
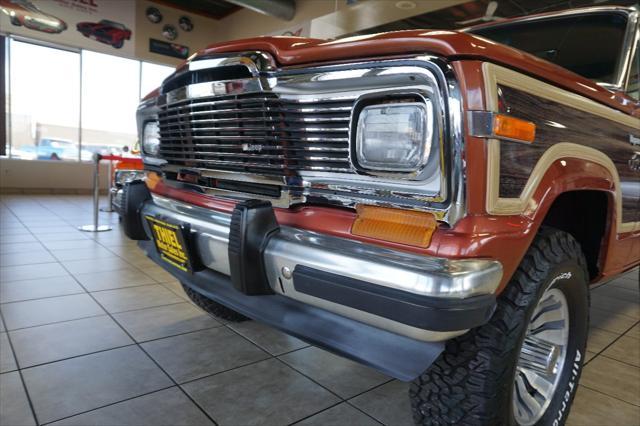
x,y
588,44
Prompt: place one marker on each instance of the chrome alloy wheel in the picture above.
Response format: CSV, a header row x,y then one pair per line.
x,y
542,357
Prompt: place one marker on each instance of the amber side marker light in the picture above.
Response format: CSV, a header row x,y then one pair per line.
x,y
398,226
152,180
513,128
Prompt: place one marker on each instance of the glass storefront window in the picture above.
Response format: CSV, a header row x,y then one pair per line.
x,y
44,117
110,96
151,77
90,108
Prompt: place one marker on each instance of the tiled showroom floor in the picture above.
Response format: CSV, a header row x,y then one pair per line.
x,y
95,333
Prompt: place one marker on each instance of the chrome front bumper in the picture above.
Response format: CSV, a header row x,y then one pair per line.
x,y
311,268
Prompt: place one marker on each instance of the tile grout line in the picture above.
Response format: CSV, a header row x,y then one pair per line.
x,y
108,405
341,400
610,396
139,346
90,316
294,369
345,400
610,344
272,356
24,384
135,343
72,294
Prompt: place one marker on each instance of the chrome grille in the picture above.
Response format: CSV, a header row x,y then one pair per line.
x,y
256,133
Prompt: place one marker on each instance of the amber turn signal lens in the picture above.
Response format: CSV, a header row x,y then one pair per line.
x,y
514,128
152,180
398,226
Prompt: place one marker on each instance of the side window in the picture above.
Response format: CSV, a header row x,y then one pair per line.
x,y
633,87
588,45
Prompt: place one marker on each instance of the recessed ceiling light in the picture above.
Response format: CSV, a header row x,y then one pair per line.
x,y
405,4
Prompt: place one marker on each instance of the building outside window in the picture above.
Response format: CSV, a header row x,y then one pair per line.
x,y
90,107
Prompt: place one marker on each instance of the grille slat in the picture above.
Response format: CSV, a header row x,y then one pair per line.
x,y
176,113
305,119
264,148
271,129
197,154
253,165
257,133
251,138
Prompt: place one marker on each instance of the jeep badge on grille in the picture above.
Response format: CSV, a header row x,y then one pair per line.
x,y
252,147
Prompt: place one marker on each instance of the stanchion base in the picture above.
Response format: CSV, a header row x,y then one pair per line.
x,y
92,228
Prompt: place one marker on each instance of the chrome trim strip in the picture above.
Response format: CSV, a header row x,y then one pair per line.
x,y
428,276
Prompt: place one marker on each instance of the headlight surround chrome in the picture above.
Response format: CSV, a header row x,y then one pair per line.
x,y
151,138
394,137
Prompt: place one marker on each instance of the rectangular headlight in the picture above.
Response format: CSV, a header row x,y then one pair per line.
x,y
151,138
394,137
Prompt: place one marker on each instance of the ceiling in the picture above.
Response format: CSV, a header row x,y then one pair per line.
x,y
215,9
472,12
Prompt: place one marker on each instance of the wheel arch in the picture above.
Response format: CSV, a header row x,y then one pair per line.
x,y
581,196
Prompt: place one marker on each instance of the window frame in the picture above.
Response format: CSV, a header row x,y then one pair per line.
x,y
632,52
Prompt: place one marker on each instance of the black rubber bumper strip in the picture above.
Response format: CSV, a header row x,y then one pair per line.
x,y
392,354
424,312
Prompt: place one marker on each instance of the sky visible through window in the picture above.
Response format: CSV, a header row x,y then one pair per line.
x,y
45,86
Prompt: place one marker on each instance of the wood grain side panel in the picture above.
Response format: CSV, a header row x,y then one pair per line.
x,y
557,123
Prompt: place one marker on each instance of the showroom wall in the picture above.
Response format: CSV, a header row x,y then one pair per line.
x,y
76,22
323,18
35,176
20,175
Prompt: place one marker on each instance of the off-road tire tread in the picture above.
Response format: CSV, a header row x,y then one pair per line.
x,y
467,384
212,307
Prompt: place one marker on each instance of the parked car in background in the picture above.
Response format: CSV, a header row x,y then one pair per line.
x,y
433,204
105,31
24,13
103,149
18,153
57,149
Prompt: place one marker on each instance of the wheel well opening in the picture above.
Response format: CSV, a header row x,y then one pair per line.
x,y
583,214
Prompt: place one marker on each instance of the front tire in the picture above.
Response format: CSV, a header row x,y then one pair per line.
x,y
478,378
133,195
213,307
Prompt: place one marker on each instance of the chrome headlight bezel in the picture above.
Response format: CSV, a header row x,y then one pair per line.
x,y
429,151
